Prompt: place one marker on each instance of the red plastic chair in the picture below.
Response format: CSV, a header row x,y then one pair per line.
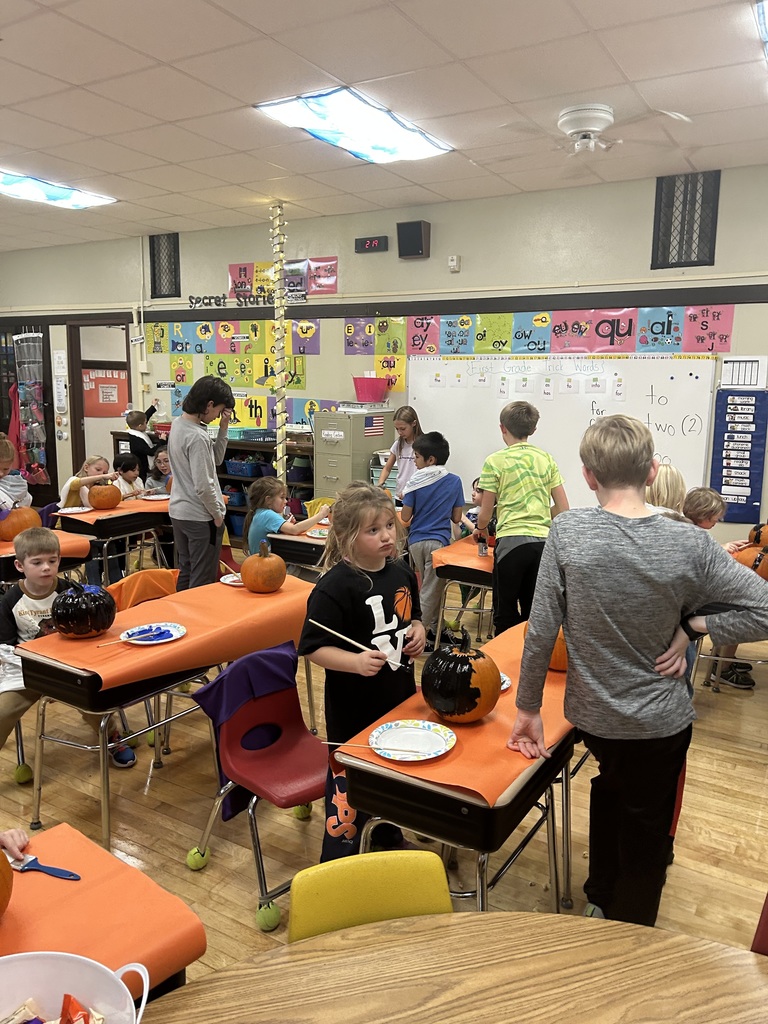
x,y
265,749
760,941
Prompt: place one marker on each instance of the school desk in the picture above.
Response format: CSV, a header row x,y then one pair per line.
x,y
75,549
300,550
495,968
129,520
460,563
476,794
222,622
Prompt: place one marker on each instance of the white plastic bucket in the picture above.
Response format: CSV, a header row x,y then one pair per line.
x,y
47,977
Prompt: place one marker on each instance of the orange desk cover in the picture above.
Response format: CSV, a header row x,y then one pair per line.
x,y
463,553
72,545
480,762
223,623
115,914
124,509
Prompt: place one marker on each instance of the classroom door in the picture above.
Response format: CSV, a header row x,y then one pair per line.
x,y
100,375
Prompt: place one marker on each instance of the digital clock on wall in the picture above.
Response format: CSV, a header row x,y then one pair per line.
x,y
373,243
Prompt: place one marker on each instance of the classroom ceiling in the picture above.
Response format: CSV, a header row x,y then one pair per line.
x,y
150,101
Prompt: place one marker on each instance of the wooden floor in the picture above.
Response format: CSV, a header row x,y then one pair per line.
x,y
715,888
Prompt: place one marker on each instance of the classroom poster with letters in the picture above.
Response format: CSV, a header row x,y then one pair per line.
x,y
738,451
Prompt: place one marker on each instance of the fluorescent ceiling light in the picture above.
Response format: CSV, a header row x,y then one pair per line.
x,y
19,186
353,122
762,23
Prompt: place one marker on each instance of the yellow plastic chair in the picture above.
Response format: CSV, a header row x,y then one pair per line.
x,y
371,887
314,506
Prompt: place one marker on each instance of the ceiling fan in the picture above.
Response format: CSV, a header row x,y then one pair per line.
x,y
585,123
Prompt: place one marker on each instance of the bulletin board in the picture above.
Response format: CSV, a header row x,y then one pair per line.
x,y
105,392
462,398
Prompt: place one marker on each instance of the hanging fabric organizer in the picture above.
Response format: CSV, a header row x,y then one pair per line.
x,y
28,350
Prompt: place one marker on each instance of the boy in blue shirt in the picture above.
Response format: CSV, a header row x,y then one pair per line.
x,y
432,500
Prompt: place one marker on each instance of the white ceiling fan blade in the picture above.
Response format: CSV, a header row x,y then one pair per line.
x,y
606,143
676,115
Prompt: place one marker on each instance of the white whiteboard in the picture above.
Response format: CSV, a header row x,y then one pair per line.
x,y
462,398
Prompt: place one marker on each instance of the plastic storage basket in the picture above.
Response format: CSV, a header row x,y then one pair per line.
x,y
236,522
235,467
370,389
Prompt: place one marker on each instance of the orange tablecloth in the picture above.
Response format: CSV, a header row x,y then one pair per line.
x,y
125,508
480,762
223,623
72,545
463,553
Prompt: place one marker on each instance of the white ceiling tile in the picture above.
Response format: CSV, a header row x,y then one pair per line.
x,y
27,132
366,45
230,196
219,217
86,112
15,10
242,129
548,69
165,93
276,17
237,168
648,166
477,127
697,92
607,13
258,71
105,156
47,167
489,26
169,225
543,180
293,188
124,211
117,186
448,167
476,188
448,89
726,35
171,143
713,158
358,179
174,178
726,126
183,205
71,52
408,195
337,206
177,30
309,156
18,84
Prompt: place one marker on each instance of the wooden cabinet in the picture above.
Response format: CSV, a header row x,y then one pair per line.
x,y
344,444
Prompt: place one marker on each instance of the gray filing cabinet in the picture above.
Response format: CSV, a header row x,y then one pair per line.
x,y
343,450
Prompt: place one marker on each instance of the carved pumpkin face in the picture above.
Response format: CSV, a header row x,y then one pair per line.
x,y
263,573
83,611
13,521
460,683
403,603
104,496
6,883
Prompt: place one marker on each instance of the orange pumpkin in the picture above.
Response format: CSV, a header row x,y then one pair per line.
x,y
754,557
460,683
104,496
263,573
559,660
6,883
758,534
15,520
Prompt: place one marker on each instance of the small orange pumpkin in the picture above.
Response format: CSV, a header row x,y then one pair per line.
x,y
758,534
6,883
559,660
18,518
104,496
460,683
754,557
263,573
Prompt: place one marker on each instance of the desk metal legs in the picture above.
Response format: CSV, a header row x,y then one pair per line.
x,y
482,611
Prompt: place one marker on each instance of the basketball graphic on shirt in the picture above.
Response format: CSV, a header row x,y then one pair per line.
x,y
403,604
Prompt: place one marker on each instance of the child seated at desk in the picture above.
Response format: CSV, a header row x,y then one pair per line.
x,y
95,470
25,613
158,481
127,480
13,486
433,499
266,500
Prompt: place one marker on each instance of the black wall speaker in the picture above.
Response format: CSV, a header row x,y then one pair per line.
x,y
413,240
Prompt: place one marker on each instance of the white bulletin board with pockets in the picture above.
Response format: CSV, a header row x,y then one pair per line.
x,y
462,398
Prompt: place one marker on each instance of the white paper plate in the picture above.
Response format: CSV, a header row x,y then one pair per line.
x,y
134,635
324,522
506,682
319,534
411,739
156,497
73,510
232,579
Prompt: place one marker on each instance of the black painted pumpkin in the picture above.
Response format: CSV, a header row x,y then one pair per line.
x,y
83,611
460,683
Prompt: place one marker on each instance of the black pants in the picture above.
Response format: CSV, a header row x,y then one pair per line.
x,y
632,804
343,824
514,581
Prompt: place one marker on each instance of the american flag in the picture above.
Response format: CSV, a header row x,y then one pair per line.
x,y
374,426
